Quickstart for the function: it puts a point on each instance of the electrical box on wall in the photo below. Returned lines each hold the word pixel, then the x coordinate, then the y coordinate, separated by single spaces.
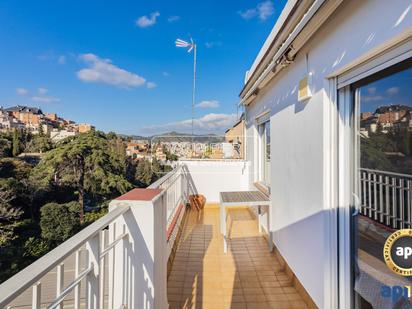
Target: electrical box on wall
pixel 304 92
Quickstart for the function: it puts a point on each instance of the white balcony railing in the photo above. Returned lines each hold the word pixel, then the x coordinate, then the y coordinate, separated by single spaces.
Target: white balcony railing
pixel 114 258
pixel 92 273
pixel 120 261
pixel 177 186
pixel 386 197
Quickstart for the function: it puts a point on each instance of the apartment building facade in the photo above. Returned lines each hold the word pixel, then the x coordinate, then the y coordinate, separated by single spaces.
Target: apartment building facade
pixel 236 137
pixel 31 117
pixel 8 122
pixel 324 65
pixel 85 127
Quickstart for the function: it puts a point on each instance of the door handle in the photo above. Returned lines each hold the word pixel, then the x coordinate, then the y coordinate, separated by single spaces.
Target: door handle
pixel 356 204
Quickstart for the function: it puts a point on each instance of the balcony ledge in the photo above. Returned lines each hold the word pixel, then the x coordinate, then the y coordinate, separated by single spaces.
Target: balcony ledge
pixel 140 195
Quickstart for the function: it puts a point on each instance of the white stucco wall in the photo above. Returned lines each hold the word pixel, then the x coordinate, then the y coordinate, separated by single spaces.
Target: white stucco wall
pixel 146 251
pixel 214 176
pixel 298 209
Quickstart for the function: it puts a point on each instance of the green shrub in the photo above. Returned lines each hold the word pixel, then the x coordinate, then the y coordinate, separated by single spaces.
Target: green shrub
pixel 59 222
pixel 93 216
pixel 35 247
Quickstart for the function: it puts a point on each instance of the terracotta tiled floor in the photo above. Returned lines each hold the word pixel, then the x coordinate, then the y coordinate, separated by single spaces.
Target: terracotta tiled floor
pixel 248 276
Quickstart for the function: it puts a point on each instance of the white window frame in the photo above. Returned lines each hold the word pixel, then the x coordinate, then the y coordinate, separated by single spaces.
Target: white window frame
pixel 260 121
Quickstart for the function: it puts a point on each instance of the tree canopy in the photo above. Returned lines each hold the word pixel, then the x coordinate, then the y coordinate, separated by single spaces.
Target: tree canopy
pixel 90 163
pixel 59 222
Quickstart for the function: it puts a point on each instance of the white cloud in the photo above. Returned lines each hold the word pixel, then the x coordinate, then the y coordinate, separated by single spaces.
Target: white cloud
pixel 42 91
pixel 174 18
pixel 210 123
pixel 213 44
pixel 248 14
pixel 392 90
pixel 105 72
pixel 22 91
pixel 42 96
pixel 151 85
pixel 373 98
pixel 263 11
pixel 61 59
pixel 165 74
pixel 371 90
pixel 208 104
pixel 51 55
pixel 45 99
pixel 147 21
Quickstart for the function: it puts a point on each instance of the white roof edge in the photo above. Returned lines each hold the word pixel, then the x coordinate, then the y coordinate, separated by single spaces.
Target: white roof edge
pixel 275 31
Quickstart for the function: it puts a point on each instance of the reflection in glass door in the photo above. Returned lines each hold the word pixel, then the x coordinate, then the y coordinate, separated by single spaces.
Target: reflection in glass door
pixel 265 152
pixel 383 180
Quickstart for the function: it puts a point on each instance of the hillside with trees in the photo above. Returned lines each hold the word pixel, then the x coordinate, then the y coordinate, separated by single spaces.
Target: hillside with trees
pixel 44 203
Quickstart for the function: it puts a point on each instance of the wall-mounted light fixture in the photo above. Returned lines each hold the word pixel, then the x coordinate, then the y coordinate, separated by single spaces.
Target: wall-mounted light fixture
pixel 305 84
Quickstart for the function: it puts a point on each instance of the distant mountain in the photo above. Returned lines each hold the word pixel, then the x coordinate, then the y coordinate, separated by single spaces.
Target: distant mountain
pixel 185 137
pixel 178 137
pixel 135 137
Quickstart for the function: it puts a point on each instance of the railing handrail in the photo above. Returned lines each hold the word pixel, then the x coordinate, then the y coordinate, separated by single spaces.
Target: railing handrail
pixel 164 178
pixel 385 172
pixel 21 281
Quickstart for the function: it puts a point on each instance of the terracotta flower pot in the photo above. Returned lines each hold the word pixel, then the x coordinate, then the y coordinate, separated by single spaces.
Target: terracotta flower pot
pixel 197 201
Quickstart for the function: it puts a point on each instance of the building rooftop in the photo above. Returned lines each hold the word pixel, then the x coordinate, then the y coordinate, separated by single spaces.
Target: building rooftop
pixel 27 109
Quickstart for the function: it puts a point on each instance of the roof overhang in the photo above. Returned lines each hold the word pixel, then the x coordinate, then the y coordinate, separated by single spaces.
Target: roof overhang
pixel 299 20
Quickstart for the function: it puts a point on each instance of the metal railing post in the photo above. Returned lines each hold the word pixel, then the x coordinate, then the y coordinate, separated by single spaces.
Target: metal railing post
pixel 36 296
pixel 92 279
pixel 60 283
pixel 77 273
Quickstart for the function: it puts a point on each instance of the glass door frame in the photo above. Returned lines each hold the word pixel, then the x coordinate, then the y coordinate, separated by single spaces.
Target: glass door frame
pixel 347 127
pixel 349 159
pixel 346 181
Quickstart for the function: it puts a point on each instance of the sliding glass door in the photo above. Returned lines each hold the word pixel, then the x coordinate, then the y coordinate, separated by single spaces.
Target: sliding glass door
pixel 382 182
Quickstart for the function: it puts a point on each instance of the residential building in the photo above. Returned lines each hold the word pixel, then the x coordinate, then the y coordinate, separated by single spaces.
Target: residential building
pixel 159 154
pixel 136 150
pixel 308 177
pixel 51 116
pixel 85 127
pixel 8 122
pixel 236 136
pixel 392 113
pixel 405 122
pixel 140 141
pixel 30 116
pixel 57 135
pixel 46 127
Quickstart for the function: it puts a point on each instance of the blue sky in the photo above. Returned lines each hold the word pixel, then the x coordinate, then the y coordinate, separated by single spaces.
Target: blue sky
pixel 114 64
pixel 394 89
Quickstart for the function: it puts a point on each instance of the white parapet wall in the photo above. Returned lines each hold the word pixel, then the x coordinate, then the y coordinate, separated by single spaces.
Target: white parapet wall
pixel 139 265
pixel 210 177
